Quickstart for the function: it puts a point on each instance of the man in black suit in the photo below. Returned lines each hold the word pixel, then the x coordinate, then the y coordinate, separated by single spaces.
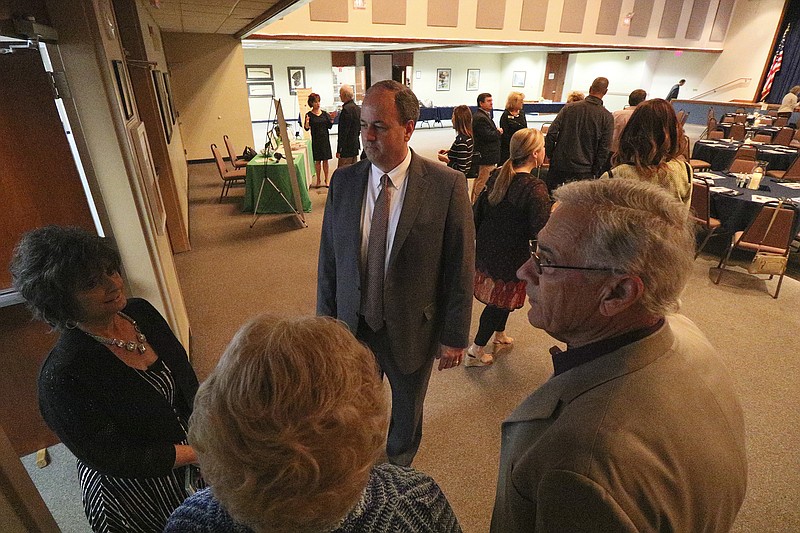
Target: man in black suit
pixel 487 142
pixel 347 146
pixel 397 259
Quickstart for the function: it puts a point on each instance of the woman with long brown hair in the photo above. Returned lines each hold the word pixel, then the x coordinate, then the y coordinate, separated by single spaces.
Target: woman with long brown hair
pixel 508 214
pixel 459 156
pixel 650 148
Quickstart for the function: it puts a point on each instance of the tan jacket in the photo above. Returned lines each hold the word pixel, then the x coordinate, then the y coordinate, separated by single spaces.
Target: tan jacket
pixel 647 438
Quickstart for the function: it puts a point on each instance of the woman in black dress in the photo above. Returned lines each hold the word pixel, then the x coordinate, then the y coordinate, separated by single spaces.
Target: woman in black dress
pixel 117 388
pixel 319 122
pixel 511 121
pixel 509 213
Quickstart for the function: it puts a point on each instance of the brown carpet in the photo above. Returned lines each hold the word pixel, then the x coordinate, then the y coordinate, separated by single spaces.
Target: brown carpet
pixel 234 272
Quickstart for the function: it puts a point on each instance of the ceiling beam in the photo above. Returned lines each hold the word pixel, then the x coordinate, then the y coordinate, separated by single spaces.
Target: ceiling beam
pixel 275 11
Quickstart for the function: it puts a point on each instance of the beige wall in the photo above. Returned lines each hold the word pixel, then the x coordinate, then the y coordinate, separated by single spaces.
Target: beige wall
pixel 360 23
pixel 208 85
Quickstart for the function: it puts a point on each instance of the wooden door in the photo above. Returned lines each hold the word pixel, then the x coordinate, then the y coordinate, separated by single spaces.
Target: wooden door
pixel 555 72
pixel 40 185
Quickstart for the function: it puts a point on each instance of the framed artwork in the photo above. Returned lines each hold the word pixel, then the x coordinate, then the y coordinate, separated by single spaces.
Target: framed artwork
pixel 150 177
pixel 473 79
pixel 123 88
pixel 258 72
pixel 297 78
pixel 261 90
pixel 518 78
pixel 168 91
pixel 442 79
pixel 161 96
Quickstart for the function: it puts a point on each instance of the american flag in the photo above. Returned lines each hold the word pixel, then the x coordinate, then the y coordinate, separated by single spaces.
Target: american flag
pixel 776 65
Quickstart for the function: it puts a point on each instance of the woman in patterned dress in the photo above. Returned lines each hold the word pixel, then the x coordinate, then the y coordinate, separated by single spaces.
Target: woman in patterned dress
pixel 319 122
pixel 117 388
pixel 508 214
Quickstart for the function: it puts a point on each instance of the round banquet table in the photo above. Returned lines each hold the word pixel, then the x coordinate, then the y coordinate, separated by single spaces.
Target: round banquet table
pixel 756 130
pixel 737 212
pixel 721 153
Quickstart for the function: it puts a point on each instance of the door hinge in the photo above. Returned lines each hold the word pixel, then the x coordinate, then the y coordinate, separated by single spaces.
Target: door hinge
pixel 58 81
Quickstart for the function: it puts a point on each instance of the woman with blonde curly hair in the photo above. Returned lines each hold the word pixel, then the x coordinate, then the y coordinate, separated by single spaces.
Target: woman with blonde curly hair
pixel 509 213
pixel 288 429
pixel 511 121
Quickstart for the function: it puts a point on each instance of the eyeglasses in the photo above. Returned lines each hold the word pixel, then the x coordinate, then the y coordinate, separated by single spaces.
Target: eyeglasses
pixel 538 265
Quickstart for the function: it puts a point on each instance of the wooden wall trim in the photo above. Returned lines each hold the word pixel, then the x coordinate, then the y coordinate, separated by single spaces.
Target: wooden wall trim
pixel 468 42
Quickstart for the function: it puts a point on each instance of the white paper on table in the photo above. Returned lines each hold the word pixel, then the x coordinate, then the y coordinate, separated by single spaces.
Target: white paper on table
pixel 793 185
pixel 719 189
pixel 707 175
pixel 762 199
pixel 795 200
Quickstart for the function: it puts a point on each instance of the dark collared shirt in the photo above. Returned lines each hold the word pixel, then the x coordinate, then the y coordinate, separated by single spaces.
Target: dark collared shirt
pixel 563 361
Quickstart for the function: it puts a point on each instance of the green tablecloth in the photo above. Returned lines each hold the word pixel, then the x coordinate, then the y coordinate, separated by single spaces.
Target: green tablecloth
pixel 271 202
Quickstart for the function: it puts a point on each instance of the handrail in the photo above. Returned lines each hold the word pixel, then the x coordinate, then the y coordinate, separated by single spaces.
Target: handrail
pixel 715 89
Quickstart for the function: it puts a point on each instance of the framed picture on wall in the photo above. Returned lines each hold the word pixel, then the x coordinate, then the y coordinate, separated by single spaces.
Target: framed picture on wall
pixel 442 79
pixel 297 78
pixel 258 72
pixel 261 89
pixel 473 79
pixel 518 78
pixel 123 88
pixel 161 96
pixel 168 92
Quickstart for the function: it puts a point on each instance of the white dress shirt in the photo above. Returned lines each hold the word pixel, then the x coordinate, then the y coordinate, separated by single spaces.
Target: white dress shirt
pixel 398 176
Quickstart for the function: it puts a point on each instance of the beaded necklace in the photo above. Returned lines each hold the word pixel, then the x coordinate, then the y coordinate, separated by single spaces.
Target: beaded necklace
pixel 132 346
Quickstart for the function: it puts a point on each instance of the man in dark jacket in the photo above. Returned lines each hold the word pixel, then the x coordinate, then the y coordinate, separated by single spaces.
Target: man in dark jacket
pixel 487 142
pixel 579 140
pixel 673 93
pixel 347 145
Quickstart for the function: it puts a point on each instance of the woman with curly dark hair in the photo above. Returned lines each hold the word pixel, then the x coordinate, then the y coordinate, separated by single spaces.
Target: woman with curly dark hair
pixel 117 388
pixel 650 148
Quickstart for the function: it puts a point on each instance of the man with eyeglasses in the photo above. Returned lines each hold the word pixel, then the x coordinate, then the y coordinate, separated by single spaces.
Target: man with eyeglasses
pixel 639 428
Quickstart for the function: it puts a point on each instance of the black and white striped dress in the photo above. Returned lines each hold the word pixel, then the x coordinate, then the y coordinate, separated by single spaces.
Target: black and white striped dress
pixel 117 504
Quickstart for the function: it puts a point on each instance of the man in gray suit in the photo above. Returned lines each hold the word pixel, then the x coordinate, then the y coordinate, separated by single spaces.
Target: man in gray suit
pixel 639 428
pixel 397 259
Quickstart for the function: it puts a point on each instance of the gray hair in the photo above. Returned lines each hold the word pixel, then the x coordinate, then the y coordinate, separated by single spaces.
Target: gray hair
pixel 52 263
pixel 347 92
pixel 404 99
pixel 637 228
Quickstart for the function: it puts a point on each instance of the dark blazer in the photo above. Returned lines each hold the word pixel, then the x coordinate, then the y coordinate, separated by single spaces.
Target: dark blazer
pixel 428 288
pixel 487 138
pixel 647 438
pixel 106 414
pixel 347 144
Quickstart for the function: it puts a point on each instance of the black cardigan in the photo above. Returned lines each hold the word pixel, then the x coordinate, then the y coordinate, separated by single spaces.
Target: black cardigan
pixel 106 414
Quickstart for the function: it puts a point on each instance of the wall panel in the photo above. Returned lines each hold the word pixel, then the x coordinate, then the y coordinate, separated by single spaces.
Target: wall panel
pixel 443 13
pixel 608 17
pixel 388 11
pixel 534 15
pixel 328 11
pixel 572 16
pixel 697 20
pixel 640 23
pixel 491 14
pixel 721 20
pixel 670 19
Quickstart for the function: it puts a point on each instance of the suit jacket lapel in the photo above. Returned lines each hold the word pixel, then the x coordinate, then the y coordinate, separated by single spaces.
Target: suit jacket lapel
pixel 355 204
pixel 415 195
